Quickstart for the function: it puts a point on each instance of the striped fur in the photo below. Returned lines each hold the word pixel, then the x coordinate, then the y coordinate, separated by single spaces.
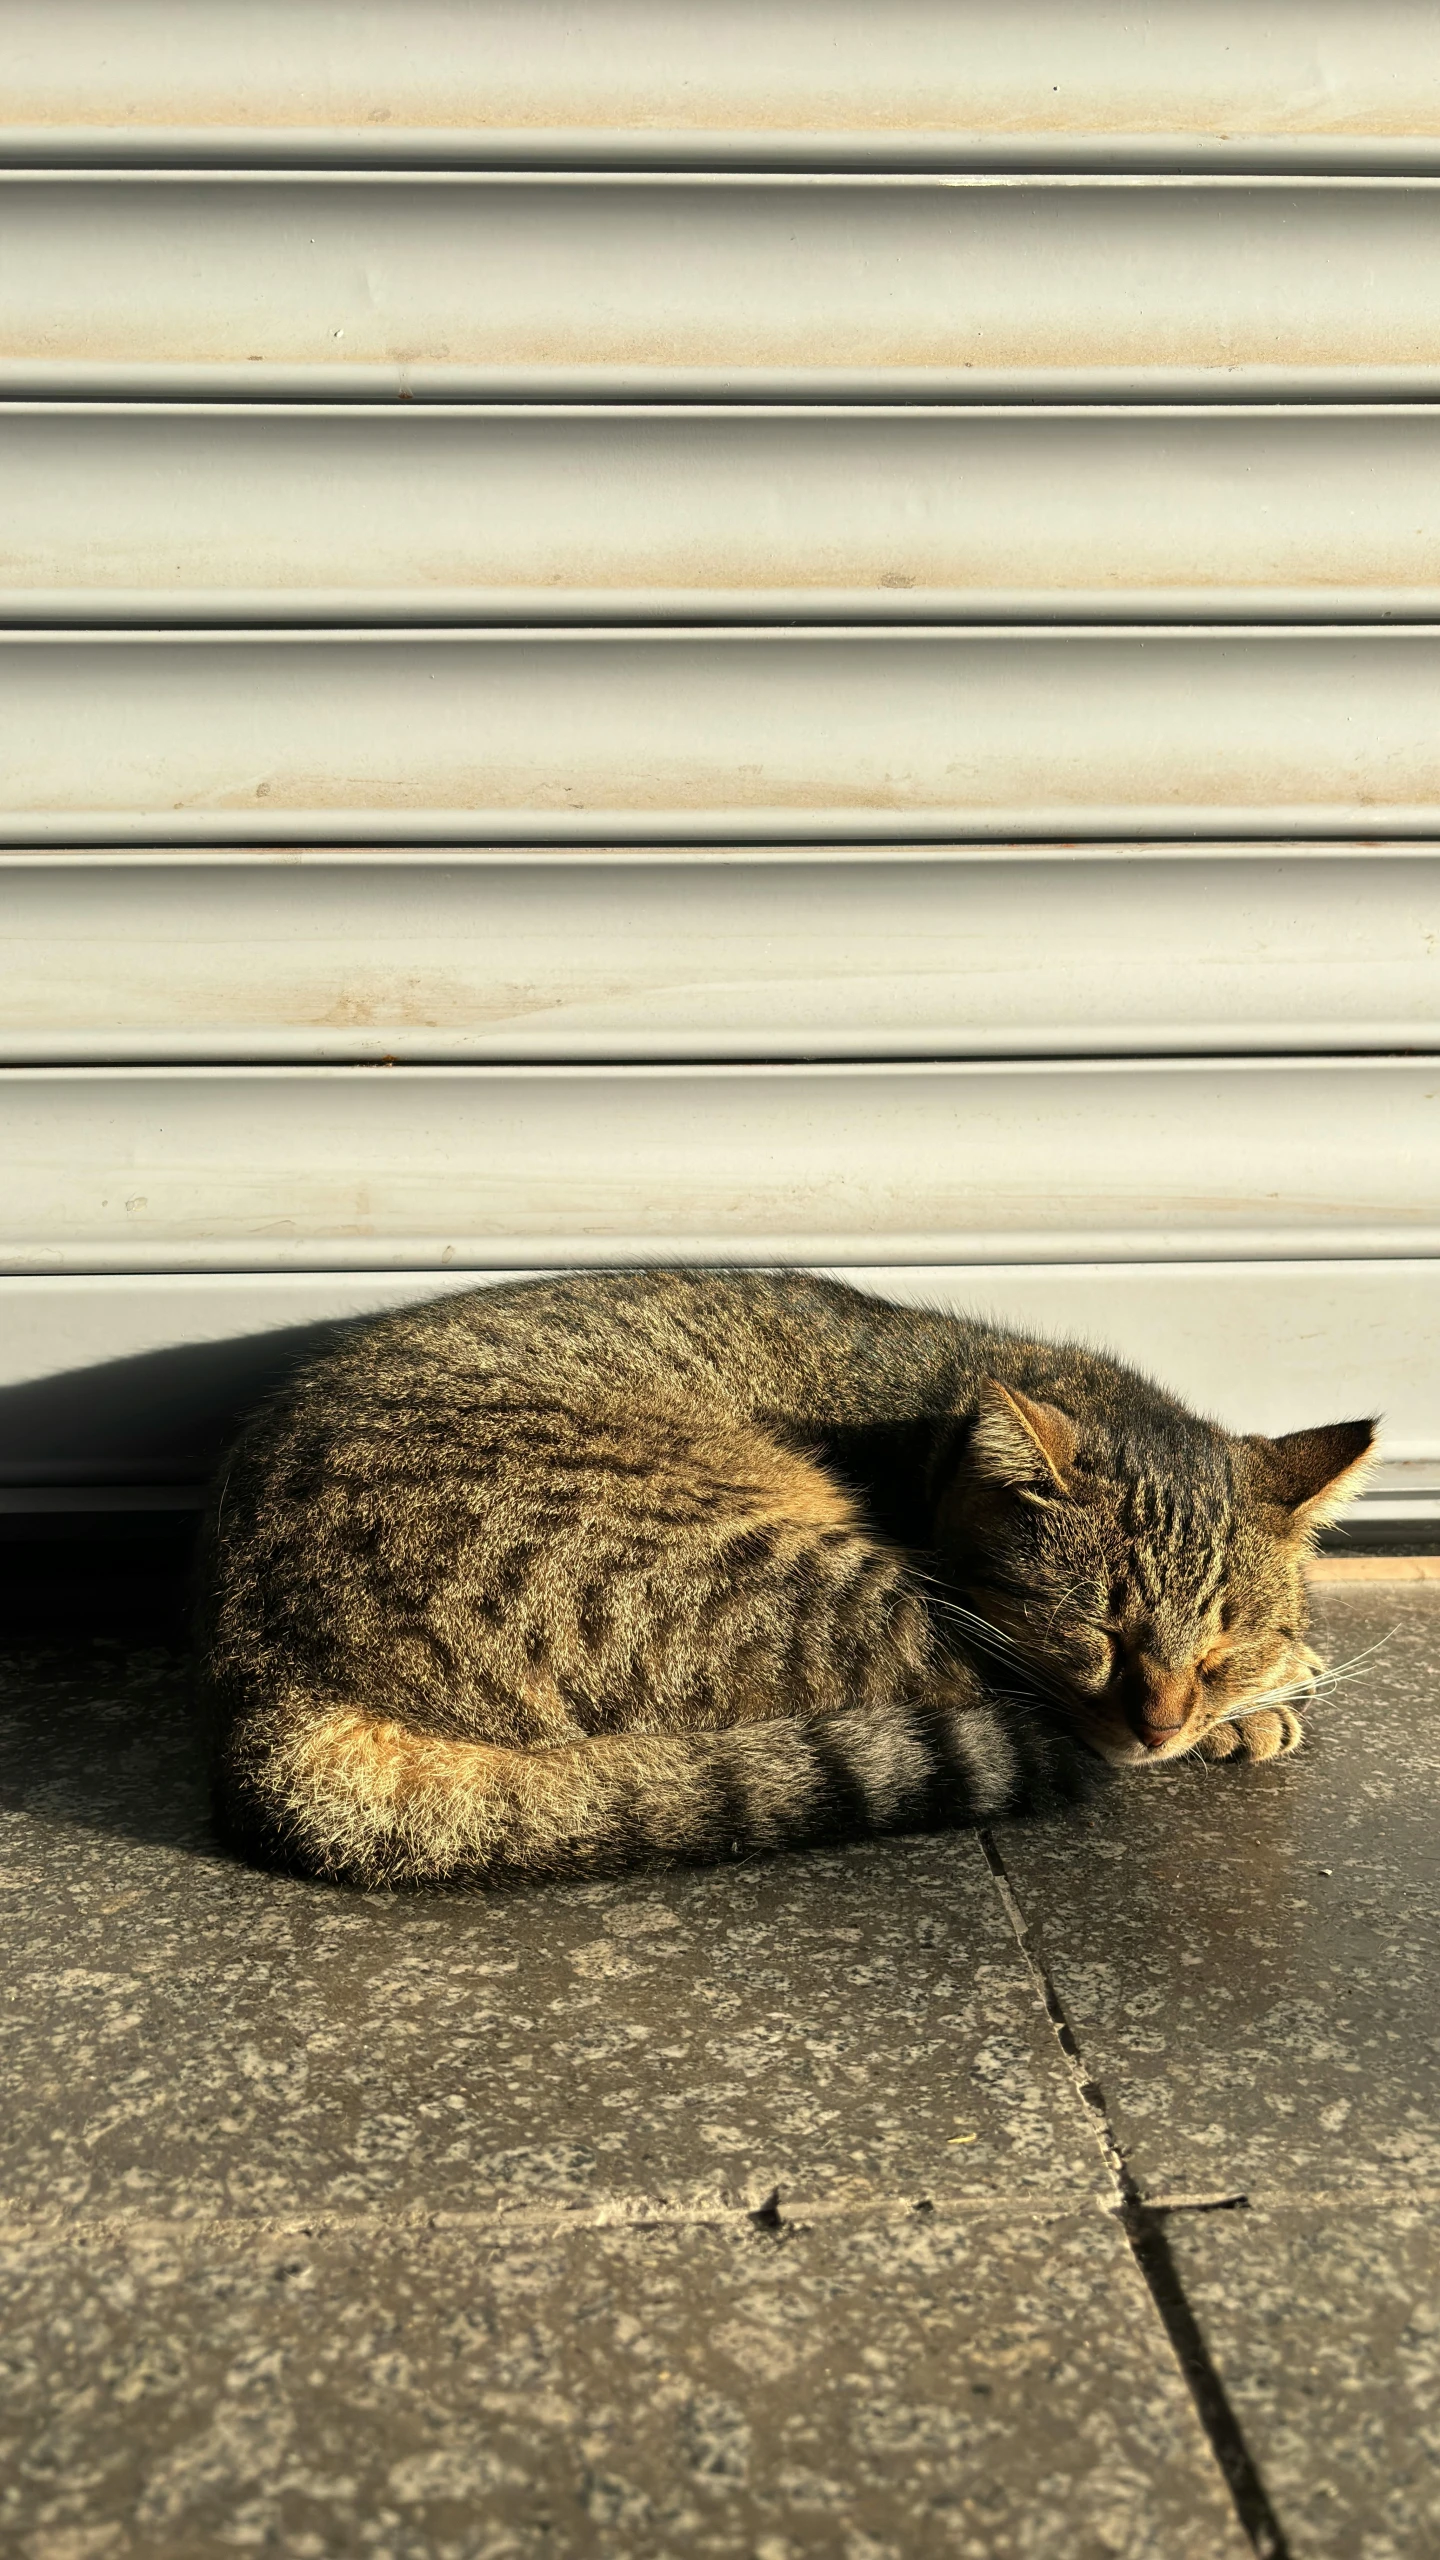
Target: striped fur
pixel 364 1798
pixel 557 1577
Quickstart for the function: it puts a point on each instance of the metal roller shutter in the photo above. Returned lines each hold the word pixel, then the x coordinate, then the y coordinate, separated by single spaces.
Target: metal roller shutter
pixel 771 634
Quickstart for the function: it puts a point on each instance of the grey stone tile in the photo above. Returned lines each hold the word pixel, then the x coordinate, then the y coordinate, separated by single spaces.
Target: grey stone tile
pixel 1326 2331
pixel 1249 1958
pixel 187 2036
pixel 883 2390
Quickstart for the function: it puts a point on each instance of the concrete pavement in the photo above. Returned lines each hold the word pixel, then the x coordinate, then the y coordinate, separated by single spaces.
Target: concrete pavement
pixel 1069 2193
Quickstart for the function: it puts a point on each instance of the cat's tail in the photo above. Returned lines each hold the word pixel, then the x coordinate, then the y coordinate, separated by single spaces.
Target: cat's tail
pixel 370 1800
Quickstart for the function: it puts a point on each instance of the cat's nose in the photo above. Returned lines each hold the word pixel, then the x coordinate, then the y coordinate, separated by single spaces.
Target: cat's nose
pixel 1163 1706
pixel 1155 1736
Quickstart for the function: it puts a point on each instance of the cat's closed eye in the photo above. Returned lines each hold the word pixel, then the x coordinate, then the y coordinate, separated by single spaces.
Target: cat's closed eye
pixel 1216 1658
pixel 1094 1655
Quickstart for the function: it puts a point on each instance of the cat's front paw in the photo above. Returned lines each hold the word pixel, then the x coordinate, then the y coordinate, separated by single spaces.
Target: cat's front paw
pixel 1267 1735
pixel 1271 1731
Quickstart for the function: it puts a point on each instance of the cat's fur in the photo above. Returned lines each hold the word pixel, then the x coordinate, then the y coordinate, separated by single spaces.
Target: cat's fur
pixel 559 1575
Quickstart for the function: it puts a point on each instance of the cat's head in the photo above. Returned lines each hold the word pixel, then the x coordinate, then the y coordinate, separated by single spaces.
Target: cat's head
pixel 1146 1574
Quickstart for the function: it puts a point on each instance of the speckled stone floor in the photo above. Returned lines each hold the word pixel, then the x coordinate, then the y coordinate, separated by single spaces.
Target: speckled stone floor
pixel 1068 2194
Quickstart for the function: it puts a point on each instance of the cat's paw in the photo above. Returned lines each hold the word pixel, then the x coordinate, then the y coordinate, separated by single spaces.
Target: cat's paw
pixel 1270 1732
pixel 1267 1735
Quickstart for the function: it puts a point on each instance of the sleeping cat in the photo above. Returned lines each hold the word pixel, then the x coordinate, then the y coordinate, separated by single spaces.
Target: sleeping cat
pixel 552 1577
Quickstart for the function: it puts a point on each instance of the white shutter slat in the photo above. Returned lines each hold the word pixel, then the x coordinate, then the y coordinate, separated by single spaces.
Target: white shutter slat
pixel 828 82
pixel 348 513
pixel 347 1168
pixel 841 952
pixel 720 735
pixel 248 285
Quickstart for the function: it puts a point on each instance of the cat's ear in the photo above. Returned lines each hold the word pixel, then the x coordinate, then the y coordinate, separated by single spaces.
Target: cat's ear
pixel 1020 1443
pixel 1313 1474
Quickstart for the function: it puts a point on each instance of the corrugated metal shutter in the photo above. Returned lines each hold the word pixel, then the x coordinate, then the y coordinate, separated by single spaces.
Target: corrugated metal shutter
pixel 790 632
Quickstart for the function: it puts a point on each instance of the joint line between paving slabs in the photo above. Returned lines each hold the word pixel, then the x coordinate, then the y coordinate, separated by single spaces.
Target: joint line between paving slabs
pixel 1144 2229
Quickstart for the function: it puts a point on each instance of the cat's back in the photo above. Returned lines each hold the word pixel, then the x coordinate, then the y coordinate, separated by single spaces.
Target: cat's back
pixel 745 1340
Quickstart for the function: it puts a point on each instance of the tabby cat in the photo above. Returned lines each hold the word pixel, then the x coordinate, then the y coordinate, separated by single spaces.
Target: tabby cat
pixel 551 1577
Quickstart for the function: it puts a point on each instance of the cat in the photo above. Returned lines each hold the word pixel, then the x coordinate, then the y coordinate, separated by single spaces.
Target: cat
pixel 556 1576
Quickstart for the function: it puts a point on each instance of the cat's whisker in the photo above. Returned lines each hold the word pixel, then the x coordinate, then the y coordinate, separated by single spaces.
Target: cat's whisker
pixel 1317 1686
pixel 1254 1706
pixel 918 1573
pixel 1339 1675
pixel 981 1627
pixel 975 1631
pixel 978 1633
pixel 975 1618
pixel 1342 1670
pixel 1259 1698
pixel 1274 1697
pixel 984 1631
pixel 985 1637
pixel 1039 1683
pixel 1067 1594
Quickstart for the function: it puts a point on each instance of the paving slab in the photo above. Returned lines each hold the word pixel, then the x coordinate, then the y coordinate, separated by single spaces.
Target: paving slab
pixel 1249 1958
pixel 880 2389
pixel 187 2036
pixel 1325 2327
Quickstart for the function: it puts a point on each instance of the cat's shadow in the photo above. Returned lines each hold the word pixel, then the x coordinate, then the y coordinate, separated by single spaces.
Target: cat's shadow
pixel 97 1730
pixel 99 1735
pixel 155 1416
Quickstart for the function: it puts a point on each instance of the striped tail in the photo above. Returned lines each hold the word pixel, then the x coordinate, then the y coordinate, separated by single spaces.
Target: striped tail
pixel 365 1799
